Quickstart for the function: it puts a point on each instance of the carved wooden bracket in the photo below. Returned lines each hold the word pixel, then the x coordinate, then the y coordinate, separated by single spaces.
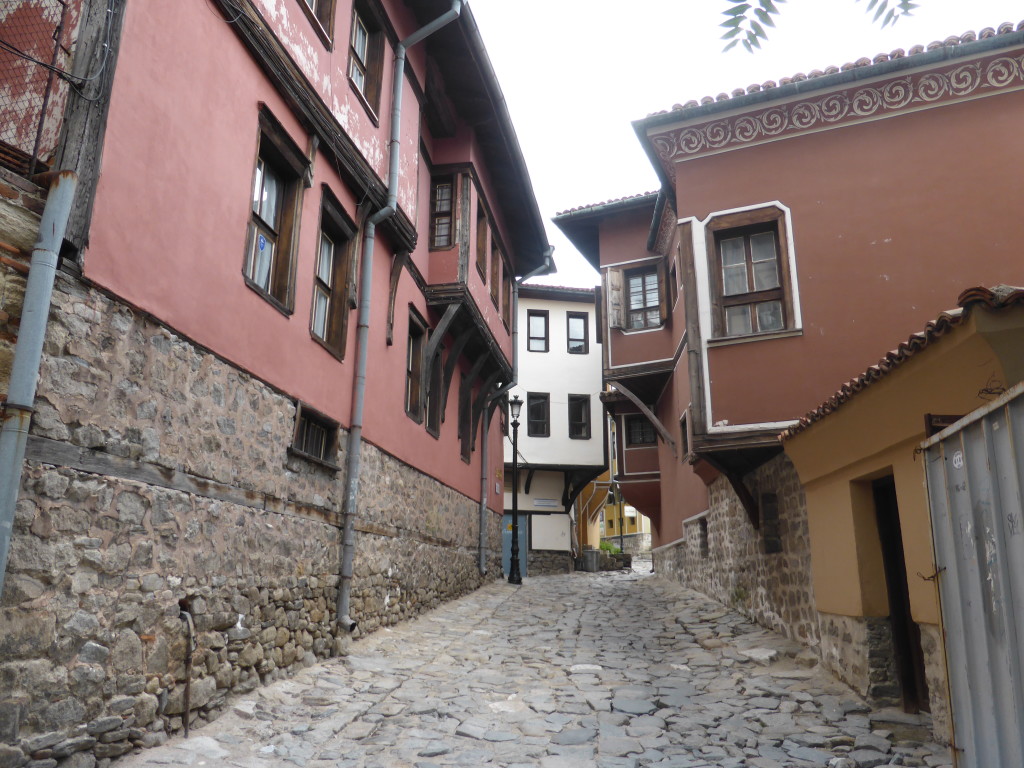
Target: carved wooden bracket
pixel 401 261
pixel 429 354
pixel 449 367
pixel 658 426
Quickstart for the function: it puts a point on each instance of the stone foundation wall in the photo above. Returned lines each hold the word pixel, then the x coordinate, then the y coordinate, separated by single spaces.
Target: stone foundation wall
pixel 772 589
pixel 158 480
pixel 632 543
pixel 858 650
pixel 776 591
pixel 544 562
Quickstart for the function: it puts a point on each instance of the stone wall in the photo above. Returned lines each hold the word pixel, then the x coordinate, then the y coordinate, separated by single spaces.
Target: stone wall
pixel 158 481
pixel 775 590
pixel 858 650
pixel 772 589
pixel 543 562
pixel 631 543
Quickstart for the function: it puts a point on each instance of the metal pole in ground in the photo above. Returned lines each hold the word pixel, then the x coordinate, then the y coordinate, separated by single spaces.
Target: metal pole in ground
pixel 514 576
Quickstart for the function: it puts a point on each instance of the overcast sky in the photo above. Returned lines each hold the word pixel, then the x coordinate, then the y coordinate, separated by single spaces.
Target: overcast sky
pixel 576 73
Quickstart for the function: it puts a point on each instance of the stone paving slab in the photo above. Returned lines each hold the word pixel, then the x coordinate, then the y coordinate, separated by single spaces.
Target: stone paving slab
pixel 613 670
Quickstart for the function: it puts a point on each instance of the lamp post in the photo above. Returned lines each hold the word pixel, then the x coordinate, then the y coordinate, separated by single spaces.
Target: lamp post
pixel 515 405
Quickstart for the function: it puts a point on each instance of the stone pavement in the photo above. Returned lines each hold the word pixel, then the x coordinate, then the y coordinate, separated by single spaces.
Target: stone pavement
pixel 614 670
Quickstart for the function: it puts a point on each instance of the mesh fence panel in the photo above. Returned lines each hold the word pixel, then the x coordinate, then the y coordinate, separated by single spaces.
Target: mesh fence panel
pixel 32 94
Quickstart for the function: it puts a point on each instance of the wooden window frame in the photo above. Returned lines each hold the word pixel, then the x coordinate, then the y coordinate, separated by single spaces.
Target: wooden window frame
pixel 305 418
pixel 585 317
pixel 585 432
pixel 645 309
pixel 433 405
pixel 543 428
pixel 746 223
pixel 465 419
pixel 336 226
pixel 546 338
pixel 646 430
pixel 496 261
pixel 617 285
pixel 415 346
pixel 437 215
pixel 482 231
pixel 506 298
pixel 321 19
pixel 370 66
pixel 684 436
pixel 276 151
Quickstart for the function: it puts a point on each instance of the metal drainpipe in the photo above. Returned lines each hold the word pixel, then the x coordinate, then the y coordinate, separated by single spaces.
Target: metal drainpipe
pixel 21 394
pixel 363 332
pixel 547 268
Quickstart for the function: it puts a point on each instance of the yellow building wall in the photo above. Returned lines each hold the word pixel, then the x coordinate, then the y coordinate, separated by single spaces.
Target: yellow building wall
pixel 590 507
pixel 873 435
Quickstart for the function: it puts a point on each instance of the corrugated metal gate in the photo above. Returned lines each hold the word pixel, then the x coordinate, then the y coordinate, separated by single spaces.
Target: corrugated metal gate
pixel 975 476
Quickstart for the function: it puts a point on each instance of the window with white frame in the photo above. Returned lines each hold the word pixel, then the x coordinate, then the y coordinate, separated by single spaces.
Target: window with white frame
pixel 332 289
pixel 321 13
pixel 274 212
pixel 751 284
pixel 364 54
pixel 442 212
pixel 643 298
pixel 639 431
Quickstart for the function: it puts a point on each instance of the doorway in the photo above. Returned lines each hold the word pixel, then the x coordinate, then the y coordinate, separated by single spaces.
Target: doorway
pixel 906 635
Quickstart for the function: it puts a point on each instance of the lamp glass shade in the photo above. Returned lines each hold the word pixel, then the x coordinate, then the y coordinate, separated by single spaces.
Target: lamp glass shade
pixel 515 405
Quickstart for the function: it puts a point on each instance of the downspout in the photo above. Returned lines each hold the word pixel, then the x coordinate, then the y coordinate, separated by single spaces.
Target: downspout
pixel 355 434
pixel 547 268
pixel 21 394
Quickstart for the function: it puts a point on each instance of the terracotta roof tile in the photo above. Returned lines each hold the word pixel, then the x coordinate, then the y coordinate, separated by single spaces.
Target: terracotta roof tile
pixel 627 198
pixel 544 288
pixel 967 37
pixel 1000 297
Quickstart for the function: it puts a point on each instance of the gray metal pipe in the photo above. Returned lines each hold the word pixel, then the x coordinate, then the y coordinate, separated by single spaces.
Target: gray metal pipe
pixel 21 394
pixel 355 435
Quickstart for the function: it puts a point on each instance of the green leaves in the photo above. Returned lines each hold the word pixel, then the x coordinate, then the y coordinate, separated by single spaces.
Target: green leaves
pixel 745 20
pixel 899 9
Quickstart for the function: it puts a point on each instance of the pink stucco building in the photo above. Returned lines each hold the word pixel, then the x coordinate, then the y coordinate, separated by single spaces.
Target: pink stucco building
pixel 278 338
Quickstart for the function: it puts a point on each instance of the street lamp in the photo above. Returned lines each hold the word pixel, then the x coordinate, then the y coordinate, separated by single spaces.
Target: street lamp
pixel 515 405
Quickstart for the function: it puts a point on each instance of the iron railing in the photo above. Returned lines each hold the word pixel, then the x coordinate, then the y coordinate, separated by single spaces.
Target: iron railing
pixel 34 51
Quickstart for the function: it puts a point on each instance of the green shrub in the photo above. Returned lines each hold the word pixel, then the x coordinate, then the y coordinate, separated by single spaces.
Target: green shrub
pixel 607 546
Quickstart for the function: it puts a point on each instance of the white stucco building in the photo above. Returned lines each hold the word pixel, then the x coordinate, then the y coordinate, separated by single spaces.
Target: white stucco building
pixel 562 444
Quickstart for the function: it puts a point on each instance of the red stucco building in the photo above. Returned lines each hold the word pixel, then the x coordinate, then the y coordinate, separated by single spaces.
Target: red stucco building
pixel 801 227
pixel 281 329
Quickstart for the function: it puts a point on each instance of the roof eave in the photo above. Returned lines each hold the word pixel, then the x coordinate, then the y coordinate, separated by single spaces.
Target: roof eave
pixel 644 127
pixel 924 60
pixel 538 235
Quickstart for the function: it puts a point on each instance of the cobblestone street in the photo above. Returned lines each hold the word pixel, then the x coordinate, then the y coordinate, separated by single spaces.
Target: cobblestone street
pixel 610 670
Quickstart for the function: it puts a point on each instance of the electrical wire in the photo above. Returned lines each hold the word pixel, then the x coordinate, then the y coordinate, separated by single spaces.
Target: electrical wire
pixel 74 81
pixel 219 15
pixel 63 73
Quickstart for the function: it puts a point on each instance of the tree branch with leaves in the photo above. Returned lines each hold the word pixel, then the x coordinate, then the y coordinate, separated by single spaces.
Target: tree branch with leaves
pixel 746 20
